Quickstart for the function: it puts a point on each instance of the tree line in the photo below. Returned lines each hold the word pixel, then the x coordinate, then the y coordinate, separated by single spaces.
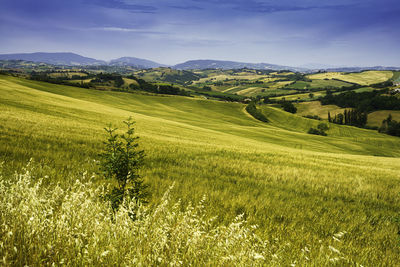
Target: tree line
pixel 352 117
pixel 155 88
pixel 364 101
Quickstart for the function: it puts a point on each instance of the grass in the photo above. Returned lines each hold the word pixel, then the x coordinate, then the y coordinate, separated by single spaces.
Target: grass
pixel 363 78
pixel 67 74
pixel 299 189
pixel 304 96
pixel 375 118
pixel 315 108
pixel 396 76
pixel 318 83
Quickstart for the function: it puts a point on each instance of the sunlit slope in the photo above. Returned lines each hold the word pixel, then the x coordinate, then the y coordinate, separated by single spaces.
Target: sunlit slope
pixel 315 108
pixel 363 78
pixel 298 188
pixel 197 120
pixel 346 138
pixel 375 118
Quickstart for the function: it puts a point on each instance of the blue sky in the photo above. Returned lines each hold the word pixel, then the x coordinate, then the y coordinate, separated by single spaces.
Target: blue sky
pixel 296 32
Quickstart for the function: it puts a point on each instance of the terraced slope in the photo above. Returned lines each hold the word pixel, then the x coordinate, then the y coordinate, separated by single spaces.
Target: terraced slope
pixel 300 189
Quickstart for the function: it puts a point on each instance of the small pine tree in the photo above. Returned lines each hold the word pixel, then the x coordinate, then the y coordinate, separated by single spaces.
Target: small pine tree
pixel 120 162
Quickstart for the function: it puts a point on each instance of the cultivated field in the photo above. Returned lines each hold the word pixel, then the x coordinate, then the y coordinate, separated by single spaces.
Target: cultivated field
pixel 363 78
pixel 317 200
pixel 375 118
pixel 315 108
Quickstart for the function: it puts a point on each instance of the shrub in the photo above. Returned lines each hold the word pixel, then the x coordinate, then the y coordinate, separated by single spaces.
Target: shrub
pixel 313 117
pixel 288 107
pixel 390 126
pixel 316 132
pixel 257 114
pixel 323 127
pixel 120 162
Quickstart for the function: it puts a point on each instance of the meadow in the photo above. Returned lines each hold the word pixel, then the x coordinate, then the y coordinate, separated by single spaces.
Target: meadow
pixel 318 83
pixel 375 118
pixel 316 200
pixel 362 78
pixel 315 108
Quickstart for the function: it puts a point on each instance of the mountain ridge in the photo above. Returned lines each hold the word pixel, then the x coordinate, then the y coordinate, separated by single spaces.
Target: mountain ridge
pixel 135 62
pixel 56 58
pixel 73 59
pixel 226 64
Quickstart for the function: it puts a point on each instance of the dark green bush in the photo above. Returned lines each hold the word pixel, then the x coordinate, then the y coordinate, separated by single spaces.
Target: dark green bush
pixel 120 163
pixel 288 107
pixel 253 111
pixel 316 132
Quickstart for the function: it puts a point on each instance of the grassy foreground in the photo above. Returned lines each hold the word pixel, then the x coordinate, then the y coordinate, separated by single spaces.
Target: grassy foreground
pixel 316 200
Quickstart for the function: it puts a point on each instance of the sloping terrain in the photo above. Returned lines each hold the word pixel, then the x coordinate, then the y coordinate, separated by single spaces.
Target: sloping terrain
pixel 300 189
pixel 363 78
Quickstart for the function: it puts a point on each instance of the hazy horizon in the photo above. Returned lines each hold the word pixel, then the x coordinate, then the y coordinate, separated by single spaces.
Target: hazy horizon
pixel 292 33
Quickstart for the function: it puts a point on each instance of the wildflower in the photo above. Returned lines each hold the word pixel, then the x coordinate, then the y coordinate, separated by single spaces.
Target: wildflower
pixel 105 253
pixel 334 250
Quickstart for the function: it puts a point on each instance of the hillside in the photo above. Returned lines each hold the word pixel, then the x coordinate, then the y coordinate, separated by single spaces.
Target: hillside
pixel 135 62
pixel 300 189
pixel 363 78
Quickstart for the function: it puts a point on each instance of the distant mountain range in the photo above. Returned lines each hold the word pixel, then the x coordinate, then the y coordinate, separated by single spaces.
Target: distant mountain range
pixel 219 64
pixel 135 62
pixel 71 59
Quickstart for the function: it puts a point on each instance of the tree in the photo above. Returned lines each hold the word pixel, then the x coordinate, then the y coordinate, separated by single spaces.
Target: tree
pixel 323 127
pixel 390 126
pixel 340 118
pixel 289 107
pixel 120 162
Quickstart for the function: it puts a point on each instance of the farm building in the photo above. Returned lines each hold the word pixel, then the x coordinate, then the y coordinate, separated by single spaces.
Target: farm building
pixel 395 91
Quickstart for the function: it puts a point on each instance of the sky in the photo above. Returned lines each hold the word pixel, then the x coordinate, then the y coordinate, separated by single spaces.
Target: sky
pixel 294 33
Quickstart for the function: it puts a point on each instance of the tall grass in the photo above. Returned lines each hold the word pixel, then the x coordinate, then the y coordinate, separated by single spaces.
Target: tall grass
pixel 299 189
pixel 73 226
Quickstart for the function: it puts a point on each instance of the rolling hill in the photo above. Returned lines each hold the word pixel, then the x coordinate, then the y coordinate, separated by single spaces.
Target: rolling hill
pixel 135 62
pixel 301 190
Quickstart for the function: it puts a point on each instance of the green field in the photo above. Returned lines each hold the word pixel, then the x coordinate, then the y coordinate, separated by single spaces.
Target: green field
pixel 396 76
pixel 301 190
pixel 315 108
pixel 317 83
pixel 375 118
pixel 363 78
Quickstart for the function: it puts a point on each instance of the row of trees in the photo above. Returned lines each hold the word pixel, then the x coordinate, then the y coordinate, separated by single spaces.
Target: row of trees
pixel 154 88
pixel 44 77
pixel 109 77
pixel 364 101
pixel 352 117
